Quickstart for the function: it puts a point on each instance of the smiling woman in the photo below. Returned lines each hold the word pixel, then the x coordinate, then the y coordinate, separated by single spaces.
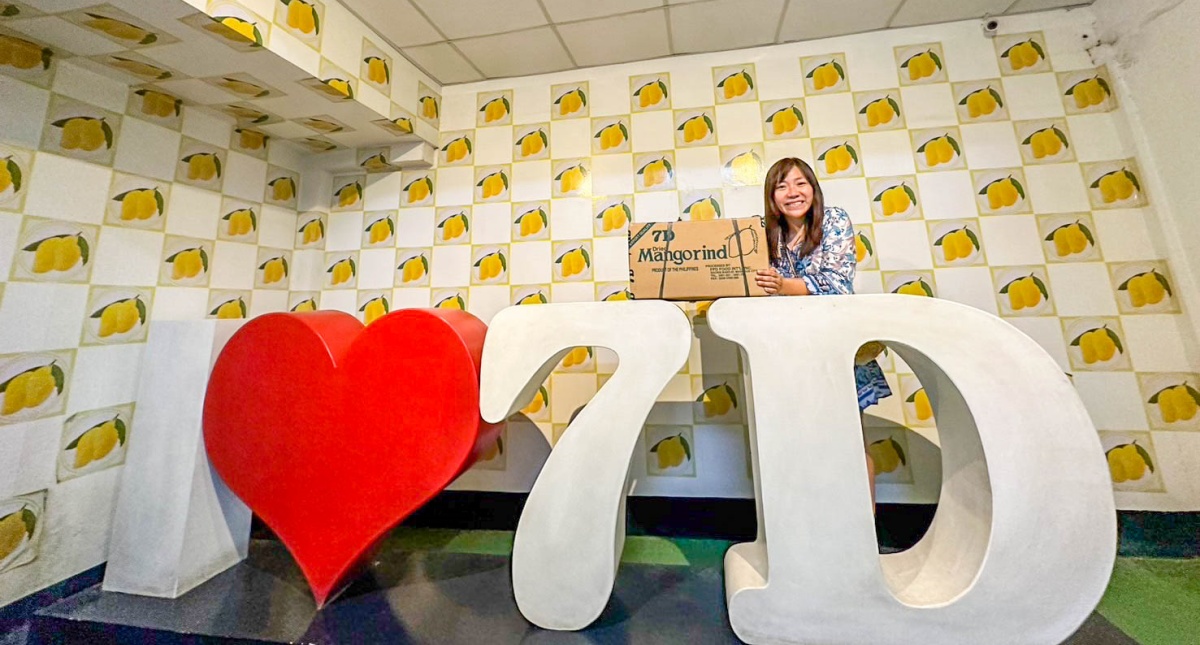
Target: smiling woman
pixel 812 250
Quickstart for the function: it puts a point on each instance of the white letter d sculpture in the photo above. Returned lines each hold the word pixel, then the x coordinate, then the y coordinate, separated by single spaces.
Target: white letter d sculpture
pixel 1023 542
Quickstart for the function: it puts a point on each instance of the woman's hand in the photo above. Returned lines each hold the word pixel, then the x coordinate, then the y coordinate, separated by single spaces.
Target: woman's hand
pixel 769 280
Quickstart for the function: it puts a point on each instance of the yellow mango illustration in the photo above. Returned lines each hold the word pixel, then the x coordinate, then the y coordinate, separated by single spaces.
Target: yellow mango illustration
pixel 31 388
pixel 84 133
pixel 308 304
pixel 533 143
pixel 312 231
pixel 493 185
pixel 14 529
pixel 235 29
pixel 59 253
pixel 532 222
pixel 703 210
pixel 736 84
pixel 22 54
pixel 374 309
pixel 1003 193
pixel 696 128
pixel 655 172
pixel 827 75
pixel 539 401
pixel 245 88
pixel 348 195
pixel 574 262
pixel 672 452
pixel 615 217
pixel 938 151
pixel 922 65
pixel 957 245
pixel 1024 54
pixel 414 269
pixel 495 109
pixel 274 270
pixel 612 136
pixel 10 175
pixel 230 310
pixel 454 226
pixel 1026 292
pixel 1118 185
pixel 302 16
pixel 838 158
pixel 418 190
pixel 457 149
pixel 1070 239
pixel 1047 142
pixel 1093 91
pixel 785 120
pixel 188 263
pixel 1098 345
pixel 451 302
pixel 203 166
pixel 159 104
pixel 491 265
pixel 880 112
pixel 571 102
pixel 921 403
pixel 98 441
pixel 571 179
pixel 887 454
pixel 896 200
pixel 282 189
pixel 981 103
pixel 377 70
pixel 342 271
pixel 429 107
pixel 121 316
pixel 242 221
pixel 915 288
pixel 651 94
pixel 251 139
pixel 718 400
pixel 1128 462
pixel 537 298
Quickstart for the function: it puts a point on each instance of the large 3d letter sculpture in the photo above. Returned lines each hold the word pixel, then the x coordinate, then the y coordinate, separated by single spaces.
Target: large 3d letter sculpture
pixel 572 530
pixel 313 416
pixel 1024 538
pixel 176 524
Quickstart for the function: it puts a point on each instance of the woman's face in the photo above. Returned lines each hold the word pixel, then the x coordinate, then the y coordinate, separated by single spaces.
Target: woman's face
pixel 793 194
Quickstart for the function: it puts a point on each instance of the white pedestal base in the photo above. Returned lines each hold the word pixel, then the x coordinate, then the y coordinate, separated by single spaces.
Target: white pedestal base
pixel 176 524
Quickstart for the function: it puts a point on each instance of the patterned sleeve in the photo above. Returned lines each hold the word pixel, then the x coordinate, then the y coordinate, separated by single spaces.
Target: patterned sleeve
pixel 832 268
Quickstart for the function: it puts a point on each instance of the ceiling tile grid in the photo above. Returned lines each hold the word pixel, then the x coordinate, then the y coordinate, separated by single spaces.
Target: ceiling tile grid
pixel 463 41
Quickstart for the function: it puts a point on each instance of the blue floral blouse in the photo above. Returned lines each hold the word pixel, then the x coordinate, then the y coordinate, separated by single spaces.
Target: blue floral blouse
pixel 829 270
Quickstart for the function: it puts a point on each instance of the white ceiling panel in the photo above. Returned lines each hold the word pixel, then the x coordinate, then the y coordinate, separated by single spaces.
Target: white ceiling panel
pixel 461 41
pixel 1023 6
pixel 643 36
pixel 443 62
pixel 533 51
pixel 724 24
pixel 467 18
pixel 925 12
pixel 397 20
pixel 809 19
pixel 572 10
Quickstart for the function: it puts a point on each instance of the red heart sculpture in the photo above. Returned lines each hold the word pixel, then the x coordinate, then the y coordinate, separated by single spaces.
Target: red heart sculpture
pixel 334 433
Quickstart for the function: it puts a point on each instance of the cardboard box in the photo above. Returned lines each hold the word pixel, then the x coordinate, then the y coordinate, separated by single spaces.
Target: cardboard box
pixel 697 260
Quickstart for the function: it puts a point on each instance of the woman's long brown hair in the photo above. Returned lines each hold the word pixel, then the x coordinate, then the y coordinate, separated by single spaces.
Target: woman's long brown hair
pixel 776 223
